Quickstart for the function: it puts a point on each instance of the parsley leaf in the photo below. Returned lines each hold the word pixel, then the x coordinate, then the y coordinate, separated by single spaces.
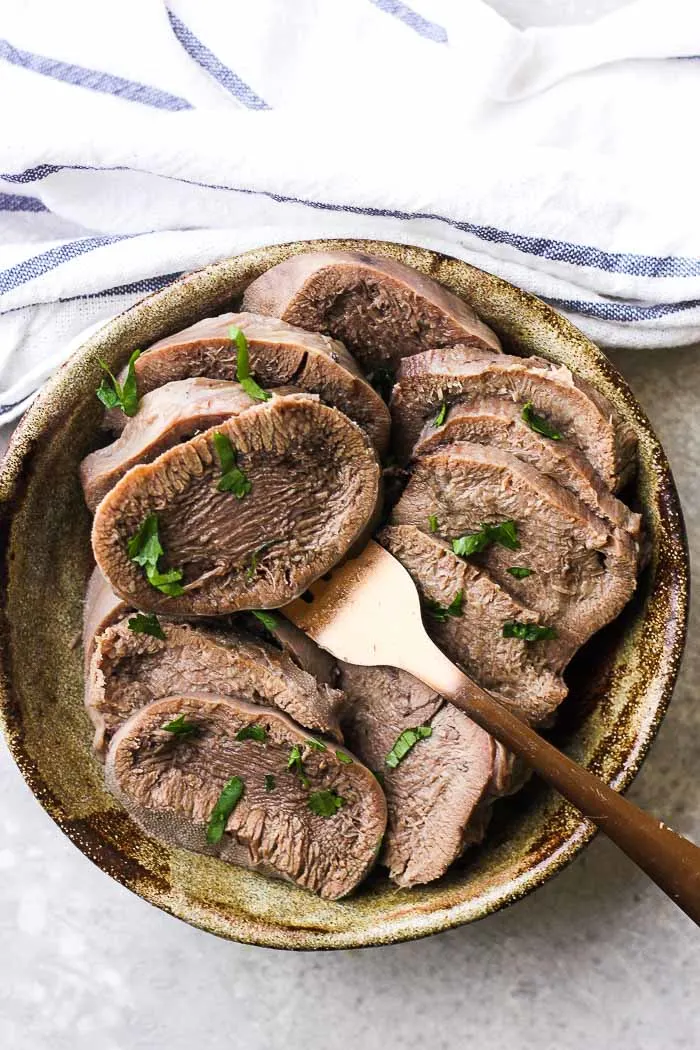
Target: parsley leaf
pixel 473 542
pixel 181 727
pixel 314 744
pixel 442 612
pixel 111 392
pixel 325 803
pixel 270 782
pixel 520 572
pixel 232 477
pixel 146 623
pixel 253 566
pixel 403 744
pixel 243 367
pixel 528 632
pixel 342 757
pixel 296 765
pixel 145 549
pixel 266 619
pixel 440 417
pixel 433 522
pixel 538 423
pixel 252 732
pixel 225 805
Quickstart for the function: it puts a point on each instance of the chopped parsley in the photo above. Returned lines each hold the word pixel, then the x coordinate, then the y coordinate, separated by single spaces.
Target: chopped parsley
pixel 253 565
pixel 407 740
pixel 232 477
pixel 225 805
pixel 181 727
pixel 325 803
pixel 145 549
pixel 520 572
pixel 113 395
pixel 270 782
pixel 252 732
pixel 538 423
pixel 442 612
pixel 266 619
pixel 296 765
pixel 146 623
pixel 314 744
pixel 440 417
pixel 243 367
pixel 473 542
pixel 528 632
pixel 433 522
pixel 383 379
pixel 342 757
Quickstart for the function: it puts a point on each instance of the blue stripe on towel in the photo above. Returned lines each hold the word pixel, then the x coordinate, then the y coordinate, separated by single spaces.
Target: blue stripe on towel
pixel 430 30
pixel 15 202
pixel 4 409
pixel 622 311
pixel 143 285
pixel 94 79
pixel 214 66
pixel 37 265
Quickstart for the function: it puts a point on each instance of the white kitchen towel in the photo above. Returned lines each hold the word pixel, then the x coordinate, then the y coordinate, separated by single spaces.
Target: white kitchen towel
pixel 141 139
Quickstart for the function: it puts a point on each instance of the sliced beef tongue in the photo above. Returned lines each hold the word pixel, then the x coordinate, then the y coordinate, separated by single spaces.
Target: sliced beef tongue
pixel 318 824
pixel 572 407
pixel 166 416
pixel 438 789
pixel 280 355
pixel 129 670
pixel 583 570
pixel 381 310
pixel 499 422
pixel 101 609
pixel 314 490
pixel 526 677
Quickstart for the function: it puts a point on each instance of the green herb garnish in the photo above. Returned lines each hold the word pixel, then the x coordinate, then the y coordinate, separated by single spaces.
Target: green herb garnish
pixel 408 739
pixel 440 417
pixel 252 732
pixel 145 549
pixel 474 542
pixel 538 423
pixel 232 477
pixel 146 623
pixel 181 727
pixel 226 803
pixel 314 744
pixel 527 632
pixel 253 566
pixel 433 522
pixel 266 619
pixel 442 612
pixel 296 765
pixel 342 757
pixel 383 379
pixel 270 782
pixel 243 367
pixel 325 803
pixel 520 572
pixel 111 392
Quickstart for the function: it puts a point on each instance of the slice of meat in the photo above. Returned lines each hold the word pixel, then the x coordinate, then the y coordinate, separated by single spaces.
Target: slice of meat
pixel 435 792
pixel 171 784
pixel 584 569
pixel 499 422
pixel 128 671
pixel 280 355
pixel 101 609
pixel 315 484
pixel 380 309
pixel 458 374
pixel 527 678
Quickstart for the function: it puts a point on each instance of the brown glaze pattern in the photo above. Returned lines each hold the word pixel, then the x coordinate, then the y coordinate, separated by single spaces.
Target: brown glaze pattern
pixel 607 724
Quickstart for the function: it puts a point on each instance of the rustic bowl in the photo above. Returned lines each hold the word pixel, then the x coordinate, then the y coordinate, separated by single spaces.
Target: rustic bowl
pixel 607 723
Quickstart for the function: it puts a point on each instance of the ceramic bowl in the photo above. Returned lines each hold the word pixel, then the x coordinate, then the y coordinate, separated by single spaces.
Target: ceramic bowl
pixel 607 723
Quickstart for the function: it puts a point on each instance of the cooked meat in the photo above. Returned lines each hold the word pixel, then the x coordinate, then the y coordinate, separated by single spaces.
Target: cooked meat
pixel 571 406
pixel 166 416
pixel 584 569
pixel 128 671
pixel 314 492
pixel 304 651
pixel 527 678
pixel 280 355
pixel 499 422
pixel 170 784
pixel 434 792
pixel 101 609
pixel 380 309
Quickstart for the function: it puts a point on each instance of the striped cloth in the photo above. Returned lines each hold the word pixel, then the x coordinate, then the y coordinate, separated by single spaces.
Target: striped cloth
pixel 141 139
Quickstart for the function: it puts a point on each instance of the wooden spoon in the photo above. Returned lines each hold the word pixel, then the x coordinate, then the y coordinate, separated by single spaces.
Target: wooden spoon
pixel 367 612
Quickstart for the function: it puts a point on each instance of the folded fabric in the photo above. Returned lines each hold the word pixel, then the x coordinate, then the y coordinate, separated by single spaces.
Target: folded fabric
pixel 143 139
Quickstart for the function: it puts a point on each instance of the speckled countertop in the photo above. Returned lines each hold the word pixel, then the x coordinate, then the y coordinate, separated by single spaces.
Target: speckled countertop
pixel 595 958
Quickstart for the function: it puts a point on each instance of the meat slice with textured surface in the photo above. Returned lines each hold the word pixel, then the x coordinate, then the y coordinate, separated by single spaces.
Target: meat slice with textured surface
pixel 101 608
pixel 129 670
pixel 169 540
pixel 570 405
pixel 527 678
pixel 499 422
pixel 582 570
pixel 382 310
pixel 317 822
pixel 279 354
pixel 166 416
pixel 436 793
